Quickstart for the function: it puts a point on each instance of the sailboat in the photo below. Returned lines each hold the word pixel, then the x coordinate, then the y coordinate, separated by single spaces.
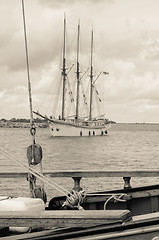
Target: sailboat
pixel 78 126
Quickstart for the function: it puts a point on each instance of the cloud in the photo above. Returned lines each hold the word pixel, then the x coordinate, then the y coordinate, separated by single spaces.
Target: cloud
pixel 126 44
pixel 2 93
pixel 151 50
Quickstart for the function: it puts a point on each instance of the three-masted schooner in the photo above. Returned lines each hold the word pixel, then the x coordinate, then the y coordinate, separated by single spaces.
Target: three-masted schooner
pixel 77 126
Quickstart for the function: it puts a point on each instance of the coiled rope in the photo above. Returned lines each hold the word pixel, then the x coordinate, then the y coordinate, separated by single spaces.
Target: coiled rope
pixel 75 199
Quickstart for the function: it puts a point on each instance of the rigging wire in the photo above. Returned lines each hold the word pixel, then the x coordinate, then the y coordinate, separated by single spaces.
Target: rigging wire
pixel 71 98
pixel 82 89
pixel 85 106
pixel 56 102
pixel 27 63
pixel 98 101
pixel 35 173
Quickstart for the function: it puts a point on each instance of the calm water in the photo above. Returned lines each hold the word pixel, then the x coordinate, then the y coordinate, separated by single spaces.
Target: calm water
pixel 127 146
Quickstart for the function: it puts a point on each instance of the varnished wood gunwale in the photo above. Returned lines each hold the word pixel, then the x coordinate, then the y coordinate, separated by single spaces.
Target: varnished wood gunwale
pixel 87 174
pixel 69 218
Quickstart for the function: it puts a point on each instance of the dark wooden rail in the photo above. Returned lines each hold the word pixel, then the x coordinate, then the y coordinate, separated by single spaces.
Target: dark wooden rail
pixel 78 175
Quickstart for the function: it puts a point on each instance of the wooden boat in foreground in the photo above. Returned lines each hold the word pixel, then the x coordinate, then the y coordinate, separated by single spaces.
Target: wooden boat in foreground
pixel 128 213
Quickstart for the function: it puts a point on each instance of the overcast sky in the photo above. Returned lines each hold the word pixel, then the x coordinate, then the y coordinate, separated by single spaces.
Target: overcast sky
pixel 126 44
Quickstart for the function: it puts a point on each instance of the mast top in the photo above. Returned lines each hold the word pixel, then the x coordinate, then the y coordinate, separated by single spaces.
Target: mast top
pixel 91 78
pixel 78 72
pixel 64 74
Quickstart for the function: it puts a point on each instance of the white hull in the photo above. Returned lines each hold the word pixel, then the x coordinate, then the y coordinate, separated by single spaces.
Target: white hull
pixel 72 130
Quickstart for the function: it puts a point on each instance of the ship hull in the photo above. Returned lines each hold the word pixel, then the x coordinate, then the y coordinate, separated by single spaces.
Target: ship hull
pixel 69 129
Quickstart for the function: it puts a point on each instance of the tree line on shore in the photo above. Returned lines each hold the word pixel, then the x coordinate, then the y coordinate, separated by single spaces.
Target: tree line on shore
pixel 23 120
pixel 22 123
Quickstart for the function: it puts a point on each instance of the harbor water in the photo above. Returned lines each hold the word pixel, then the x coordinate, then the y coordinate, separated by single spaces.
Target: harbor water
pixel 126 147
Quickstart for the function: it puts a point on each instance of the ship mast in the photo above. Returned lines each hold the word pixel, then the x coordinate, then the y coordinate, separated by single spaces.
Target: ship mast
pixel 64 74
pixel 91 79
pixel 78 74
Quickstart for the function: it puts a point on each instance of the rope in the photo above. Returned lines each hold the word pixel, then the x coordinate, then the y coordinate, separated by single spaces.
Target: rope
pixel 116 198
pixel 104 194
pixel 37 174
pixel 75 199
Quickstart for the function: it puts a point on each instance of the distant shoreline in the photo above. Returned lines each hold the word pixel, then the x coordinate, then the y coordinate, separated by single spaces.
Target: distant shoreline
pixel 21 123
pixel 25 123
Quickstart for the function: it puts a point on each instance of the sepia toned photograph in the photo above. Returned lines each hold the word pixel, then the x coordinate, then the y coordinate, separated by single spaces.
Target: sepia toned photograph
pixel 79 119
